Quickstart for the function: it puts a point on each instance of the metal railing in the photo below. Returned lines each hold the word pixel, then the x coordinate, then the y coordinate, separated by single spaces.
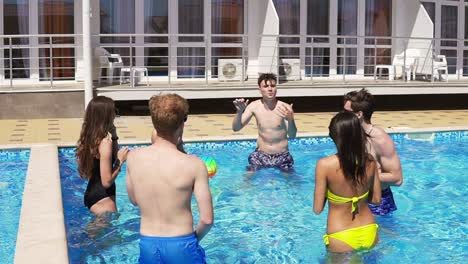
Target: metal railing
pixel 232 59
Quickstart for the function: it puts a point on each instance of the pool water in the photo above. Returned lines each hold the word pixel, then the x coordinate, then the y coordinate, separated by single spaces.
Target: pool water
pixel 268 218
pixel 14 166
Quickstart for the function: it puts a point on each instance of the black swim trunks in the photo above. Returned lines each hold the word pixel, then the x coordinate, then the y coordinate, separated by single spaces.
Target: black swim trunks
pixel 259 160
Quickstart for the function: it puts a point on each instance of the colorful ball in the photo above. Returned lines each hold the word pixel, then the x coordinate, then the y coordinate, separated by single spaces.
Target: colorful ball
pixel 211 165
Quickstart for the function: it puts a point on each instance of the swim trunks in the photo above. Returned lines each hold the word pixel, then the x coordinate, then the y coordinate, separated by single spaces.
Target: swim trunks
pixel 386 206
pixel 259 160
pixel 180 249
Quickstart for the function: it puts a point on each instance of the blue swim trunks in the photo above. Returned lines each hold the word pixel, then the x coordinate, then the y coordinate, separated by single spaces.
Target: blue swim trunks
pixel 259 160
pixel 387 204
pixel 180 249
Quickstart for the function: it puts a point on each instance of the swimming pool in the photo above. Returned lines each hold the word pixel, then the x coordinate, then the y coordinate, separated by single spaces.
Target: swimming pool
pixel 14 164
pixel 268 218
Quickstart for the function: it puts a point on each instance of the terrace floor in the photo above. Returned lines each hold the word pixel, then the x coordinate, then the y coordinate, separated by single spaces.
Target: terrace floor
pixel 137 129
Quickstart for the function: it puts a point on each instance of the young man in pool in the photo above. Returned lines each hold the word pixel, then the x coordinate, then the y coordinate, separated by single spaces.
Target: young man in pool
pixel 380 145
pixel 160 181
pixel 275 121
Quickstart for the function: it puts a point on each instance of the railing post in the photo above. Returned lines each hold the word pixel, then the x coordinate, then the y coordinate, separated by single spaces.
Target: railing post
pixel 132 72
pixel 243 61
pixel 206 58
pixel 51 74
pixel 169 58
pixel 344 60
pixel 87 53
pixel 11 63
pixel 312 60
pixel 375 58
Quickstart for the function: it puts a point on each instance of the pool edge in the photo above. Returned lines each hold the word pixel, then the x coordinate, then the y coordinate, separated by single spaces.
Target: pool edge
pixel 41 232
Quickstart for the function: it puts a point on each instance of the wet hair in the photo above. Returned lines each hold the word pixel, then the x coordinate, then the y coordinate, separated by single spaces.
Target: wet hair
pixel 98 120
pixel 350 140
pixel 168 112
pixel 363 101
pixel 266 77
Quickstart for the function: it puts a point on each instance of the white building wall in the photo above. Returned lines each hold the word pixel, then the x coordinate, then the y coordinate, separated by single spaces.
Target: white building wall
pixel 263 50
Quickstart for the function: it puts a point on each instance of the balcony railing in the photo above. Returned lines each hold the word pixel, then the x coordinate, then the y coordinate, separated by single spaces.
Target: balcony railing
pixel 210 59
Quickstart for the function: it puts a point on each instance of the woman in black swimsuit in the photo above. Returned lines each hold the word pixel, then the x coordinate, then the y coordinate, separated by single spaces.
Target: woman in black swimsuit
pixel 99 160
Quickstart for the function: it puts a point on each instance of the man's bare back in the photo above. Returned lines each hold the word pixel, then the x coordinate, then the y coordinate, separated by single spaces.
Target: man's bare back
pixel 162 179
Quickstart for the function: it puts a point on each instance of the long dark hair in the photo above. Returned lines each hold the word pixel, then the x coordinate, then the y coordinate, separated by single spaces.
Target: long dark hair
pixel 350 140
pixel 98 120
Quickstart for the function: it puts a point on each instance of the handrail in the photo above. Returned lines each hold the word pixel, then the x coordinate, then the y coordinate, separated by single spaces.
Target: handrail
pixel 179 60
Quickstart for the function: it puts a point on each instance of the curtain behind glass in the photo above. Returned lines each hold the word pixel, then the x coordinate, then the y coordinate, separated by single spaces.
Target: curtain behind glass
pixel 117 17
pixel 289 19
pixel 449 25
pixel 227 17
pixel 16 22
pixel 318 19
pixel 191 61
pixel 379 20
pixel 191 19
pixel 57 17
pixel 347 19
pixel 156 22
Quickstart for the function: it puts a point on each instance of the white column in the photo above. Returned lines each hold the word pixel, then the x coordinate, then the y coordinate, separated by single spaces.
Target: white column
pixel 87 54
pixel 333 32
pixel 2 39
pixel 361 26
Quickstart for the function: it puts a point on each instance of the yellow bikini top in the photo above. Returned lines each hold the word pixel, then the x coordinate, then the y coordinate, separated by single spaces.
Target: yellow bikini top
pixel 338 199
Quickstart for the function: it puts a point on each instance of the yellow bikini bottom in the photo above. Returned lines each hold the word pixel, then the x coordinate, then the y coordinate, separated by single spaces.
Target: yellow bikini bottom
pixel 361 237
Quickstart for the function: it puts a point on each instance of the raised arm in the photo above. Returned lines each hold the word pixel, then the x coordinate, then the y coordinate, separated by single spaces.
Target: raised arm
pixel 108 173
pixel 320 186
pixel 390 172
pixel 286 111
pixel 243 114
pixel 201 190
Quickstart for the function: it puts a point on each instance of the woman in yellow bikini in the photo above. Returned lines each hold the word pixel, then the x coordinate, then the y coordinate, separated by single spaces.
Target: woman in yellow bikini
pixel 349 180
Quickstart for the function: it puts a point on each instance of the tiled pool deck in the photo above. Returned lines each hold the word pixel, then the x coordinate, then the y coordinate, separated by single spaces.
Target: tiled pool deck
pixel 137 129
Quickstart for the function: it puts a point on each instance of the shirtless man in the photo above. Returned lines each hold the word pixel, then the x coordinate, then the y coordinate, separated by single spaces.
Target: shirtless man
pixel 275 121
pixel 380 145
pixel 160 181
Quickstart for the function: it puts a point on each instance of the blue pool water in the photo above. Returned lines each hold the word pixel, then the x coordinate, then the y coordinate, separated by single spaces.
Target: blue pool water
pixel 268 218
pixel 14 165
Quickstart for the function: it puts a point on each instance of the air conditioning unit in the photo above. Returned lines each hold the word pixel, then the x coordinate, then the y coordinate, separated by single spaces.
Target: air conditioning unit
pixel 230 70
pixel 290 69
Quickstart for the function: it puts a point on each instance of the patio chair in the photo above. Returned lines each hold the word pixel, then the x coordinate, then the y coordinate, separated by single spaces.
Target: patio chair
pixel 439 66
pixel 107 61
pixel 399 61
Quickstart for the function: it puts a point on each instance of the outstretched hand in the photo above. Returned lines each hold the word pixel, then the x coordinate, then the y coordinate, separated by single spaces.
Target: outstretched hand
pixel 240 104
pixel 286 111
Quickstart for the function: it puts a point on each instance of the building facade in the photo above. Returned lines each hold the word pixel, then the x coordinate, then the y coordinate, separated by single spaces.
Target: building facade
pixel 217 40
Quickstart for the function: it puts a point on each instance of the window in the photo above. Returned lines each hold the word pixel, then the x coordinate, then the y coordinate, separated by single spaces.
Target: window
pixel 56 17
pixel 318 19
pixel 16 22
pixel 227 17
pixel 156 21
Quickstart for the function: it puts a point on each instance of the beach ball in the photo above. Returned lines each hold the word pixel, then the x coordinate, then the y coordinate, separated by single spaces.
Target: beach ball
pixel 211 165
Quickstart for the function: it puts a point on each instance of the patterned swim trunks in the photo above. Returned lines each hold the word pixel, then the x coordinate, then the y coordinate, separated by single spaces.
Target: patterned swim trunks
pixel 259 160
pixel 387 205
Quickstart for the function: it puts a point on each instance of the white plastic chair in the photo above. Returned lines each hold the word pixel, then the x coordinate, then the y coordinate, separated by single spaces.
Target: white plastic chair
pixel 439 65
pixel 107 61
pixel 407 64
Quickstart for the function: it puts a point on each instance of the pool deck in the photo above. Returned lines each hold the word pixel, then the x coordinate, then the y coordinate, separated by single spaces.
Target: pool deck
pixel 137 129
pixel 41 232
